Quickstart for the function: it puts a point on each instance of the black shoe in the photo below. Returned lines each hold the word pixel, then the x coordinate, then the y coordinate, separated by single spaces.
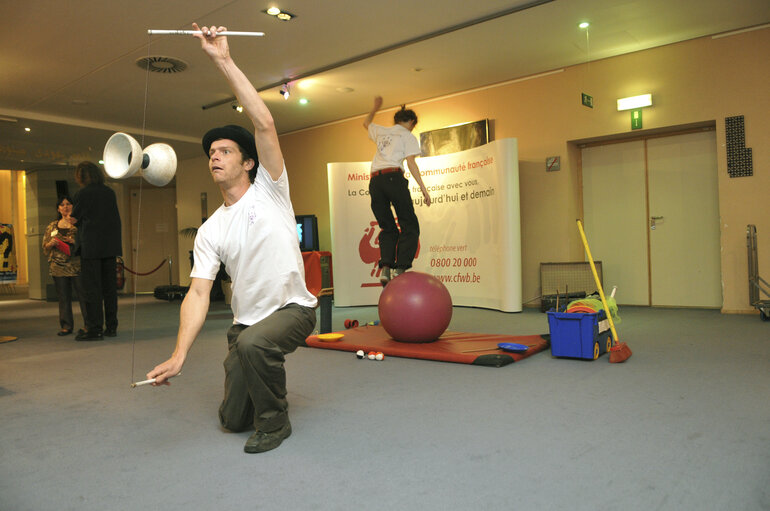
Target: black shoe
pixel 63 332
pixel 110 332
pixel 260 441
pixel 88 336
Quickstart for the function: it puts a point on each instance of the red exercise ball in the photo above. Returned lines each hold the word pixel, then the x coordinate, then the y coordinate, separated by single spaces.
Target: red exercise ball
pixel 415 307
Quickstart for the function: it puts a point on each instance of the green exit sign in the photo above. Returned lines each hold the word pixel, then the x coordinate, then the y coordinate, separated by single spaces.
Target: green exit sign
pixel 636 119
pixel 587 100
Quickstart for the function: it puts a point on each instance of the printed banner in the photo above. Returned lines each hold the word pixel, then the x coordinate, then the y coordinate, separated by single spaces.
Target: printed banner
pixel 8 267
pixel 470 236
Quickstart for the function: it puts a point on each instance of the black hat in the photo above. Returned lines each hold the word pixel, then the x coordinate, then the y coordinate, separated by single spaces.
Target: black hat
pixel 241 136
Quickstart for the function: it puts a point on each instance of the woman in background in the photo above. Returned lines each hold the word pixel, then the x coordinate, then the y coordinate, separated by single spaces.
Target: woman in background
pixel 64 266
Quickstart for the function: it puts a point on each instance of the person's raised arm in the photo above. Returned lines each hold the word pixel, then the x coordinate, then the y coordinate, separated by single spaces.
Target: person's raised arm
pixel 265 136
pixel 191 318
pixel 375 108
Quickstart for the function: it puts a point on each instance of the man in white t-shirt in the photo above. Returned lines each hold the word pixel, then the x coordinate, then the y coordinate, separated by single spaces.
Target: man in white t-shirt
pixel 254 234
pixel 388 186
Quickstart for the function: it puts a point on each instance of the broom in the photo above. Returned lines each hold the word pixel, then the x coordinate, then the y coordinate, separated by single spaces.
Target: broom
pixel 619 352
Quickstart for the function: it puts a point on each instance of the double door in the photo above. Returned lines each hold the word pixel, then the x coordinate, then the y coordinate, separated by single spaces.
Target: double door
pixel 652 217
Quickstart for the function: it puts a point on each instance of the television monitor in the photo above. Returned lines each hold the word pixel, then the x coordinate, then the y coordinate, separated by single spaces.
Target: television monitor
pixel 307 232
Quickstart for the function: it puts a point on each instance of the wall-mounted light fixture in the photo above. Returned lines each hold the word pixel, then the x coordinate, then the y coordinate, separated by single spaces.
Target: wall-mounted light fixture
pixel 285 91
pixel 238 108
pixel 634 102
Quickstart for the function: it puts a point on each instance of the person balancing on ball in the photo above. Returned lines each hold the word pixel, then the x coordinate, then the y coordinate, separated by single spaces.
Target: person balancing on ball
pixel 388 185
pixel 254 234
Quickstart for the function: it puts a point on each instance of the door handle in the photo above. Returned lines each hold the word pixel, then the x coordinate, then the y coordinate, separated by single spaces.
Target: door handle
pixel 653 221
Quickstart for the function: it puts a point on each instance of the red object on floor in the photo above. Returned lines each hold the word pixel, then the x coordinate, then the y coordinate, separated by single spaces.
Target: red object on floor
pixel 459 347
pixel 313 272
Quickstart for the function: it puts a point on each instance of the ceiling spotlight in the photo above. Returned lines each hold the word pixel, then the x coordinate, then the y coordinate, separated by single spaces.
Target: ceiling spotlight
pixel 303 101
pixel 238 108
pixel 278 13
pixel 584 24
pixel 27 130
pixel 307 83
pixel 285 91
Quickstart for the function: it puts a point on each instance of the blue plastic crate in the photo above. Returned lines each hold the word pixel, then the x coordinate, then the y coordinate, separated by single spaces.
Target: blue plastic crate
pixel 576 334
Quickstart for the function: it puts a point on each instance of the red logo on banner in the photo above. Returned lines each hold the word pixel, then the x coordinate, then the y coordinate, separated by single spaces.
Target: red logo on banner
pixel 369 246
pixel 369 250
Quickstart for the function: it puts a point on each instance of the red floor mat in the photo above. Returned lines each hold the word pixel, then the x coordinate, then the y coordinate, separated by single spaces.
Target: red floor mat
pixel 460 347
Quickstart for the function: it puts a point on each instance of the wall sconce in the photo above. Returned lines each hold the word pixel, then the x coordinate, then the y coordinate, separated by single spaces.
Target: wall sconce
pixel 238 108
pixel 634 102
pixel 285 91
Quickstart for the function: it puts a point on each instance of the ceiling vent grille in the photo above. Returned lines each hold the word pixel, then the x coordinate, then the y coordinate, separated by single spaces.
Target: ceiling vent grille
pixel 161 64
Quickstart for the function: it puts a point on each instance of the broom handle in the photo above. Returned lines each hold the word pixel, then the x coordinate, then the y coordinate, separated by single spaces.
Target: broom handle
pixel 598 282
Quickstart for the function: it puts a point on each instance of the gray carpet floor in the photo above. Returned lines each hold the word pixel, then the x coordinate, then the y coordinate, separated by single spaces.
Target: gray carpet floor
pixel 684 424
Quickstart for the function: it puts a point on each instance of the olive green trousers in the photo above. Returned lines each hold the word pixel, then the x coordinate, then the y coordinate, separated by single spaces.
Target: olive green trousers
pixel 255 378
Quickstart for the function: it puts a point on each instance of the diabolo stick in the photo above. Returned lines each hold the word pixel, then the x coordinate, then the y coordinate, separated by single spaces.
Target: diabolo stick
pixel 193 32
pixel 148 382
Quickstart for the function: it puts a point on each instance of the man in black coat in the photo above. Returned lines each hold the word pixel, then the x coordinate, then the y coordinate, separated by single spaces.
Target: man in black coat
pixel 98 243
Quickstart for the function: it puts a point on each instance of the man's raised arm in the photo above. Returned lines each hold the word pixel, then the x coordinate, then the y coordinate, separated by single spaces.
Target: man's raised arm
pixel 265 136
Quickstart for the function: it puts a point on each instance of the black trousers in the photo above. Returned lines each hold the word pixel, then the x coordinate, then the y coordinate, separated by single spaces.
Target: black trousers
pixel 397 247
pixel 99 281
pixel 255 378
pixel 64 287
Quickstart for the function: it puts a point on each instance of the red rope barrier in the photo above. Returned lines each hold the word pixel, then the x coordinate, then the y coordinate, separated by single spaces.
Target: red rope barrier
pixel 129 270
